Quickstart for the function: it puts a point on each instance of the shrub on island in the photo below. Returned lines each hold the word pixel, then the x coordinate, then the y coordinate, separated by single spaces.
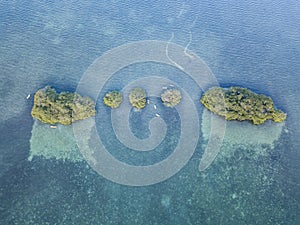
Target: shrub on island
pixel 241 104
pixel 65 107
pixel 113 99
pixel 137 98
pixel 171 97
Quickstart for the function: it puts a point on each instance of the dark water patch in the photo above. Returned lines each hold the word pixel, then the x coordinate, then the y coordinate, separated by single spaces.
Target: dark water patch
pixel 50 191
pixel 59 86
pixel 5 86
pixel 15 135
pixel 14 170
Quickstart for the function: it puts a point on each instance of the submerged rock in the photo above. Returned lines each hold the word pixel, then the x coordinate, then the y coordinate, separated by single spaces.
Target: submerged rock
pixel 65 107
pixel 241 104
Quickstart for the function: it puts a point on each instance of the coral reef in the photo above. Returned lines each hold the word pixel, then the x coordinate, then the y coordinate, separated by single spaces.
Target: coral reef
pixel 241 104
pixel 171 97
pixel 137 98
pixel 65 107
pixel 113 99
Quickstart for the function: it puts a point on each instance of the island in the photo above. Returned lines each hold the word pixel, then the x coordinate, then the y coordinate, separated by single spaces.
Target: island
pixel 137 98
pixel 171 97
pixel 113 99
pixel 237 103
pixel 65 107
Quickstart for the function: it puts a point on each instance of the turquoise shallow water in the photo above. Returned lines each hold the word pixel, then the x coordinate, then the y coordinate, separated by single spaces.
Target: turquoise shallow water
pixel 252 181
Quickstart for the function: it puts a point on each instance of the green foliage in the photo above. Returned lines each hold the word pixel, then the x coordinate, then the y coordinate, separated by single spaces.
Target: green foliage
pixel 137 98
pixel 65 108
pixel 241 104
pixel 171 97
pixel 113 99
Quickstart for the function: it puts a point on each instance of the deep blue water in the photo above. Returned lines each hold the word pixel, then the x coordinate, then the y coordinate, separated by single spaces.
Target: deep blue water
pixel 255 44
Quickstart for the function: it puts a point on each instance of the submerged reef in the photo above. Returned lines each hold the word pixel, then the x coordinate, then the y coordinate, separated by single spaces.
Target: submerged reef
pixel 171 97
pixel 137 98
pixel 58 144
pixel 241 104
pixel 65 107
pixel 113 99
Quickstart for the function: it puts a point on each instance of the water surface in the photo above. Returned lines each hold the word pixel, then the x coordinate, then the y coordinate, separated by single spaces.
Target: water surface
pixel 255 44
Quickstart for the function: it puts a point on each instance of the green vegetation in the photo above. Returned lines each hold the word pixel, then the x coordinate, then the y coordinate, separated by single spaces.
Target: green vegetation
pixel 137 98
pixel 171 97
pixel 65 108
pixel 241 104
pixel 113 99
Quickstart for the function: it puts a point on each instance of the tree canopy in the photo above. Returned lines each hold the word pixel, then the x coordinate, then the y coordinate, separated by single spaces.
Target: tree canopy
pixel 65 107
pixel 241 104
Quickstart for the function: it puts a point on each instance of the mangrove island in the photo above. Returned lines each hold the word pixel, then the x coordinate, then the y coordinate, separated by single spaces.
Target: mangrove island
pixel 237 103
pixel 171 97
pixel 65 107
pixel 113 99
pixel 137 98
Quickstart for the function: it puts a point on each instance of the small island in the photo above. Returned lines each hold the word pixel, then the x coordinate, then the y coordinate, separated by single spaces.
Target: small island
pixel 113 99
pixel 237 103
pixel 65 107
pixel 137 98
pixel 171 97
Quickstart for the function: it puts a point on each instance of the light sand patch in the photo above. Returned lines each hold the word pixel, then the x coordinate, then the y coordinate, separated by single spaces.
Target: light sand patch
pixel 52 143
pixel 244 134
